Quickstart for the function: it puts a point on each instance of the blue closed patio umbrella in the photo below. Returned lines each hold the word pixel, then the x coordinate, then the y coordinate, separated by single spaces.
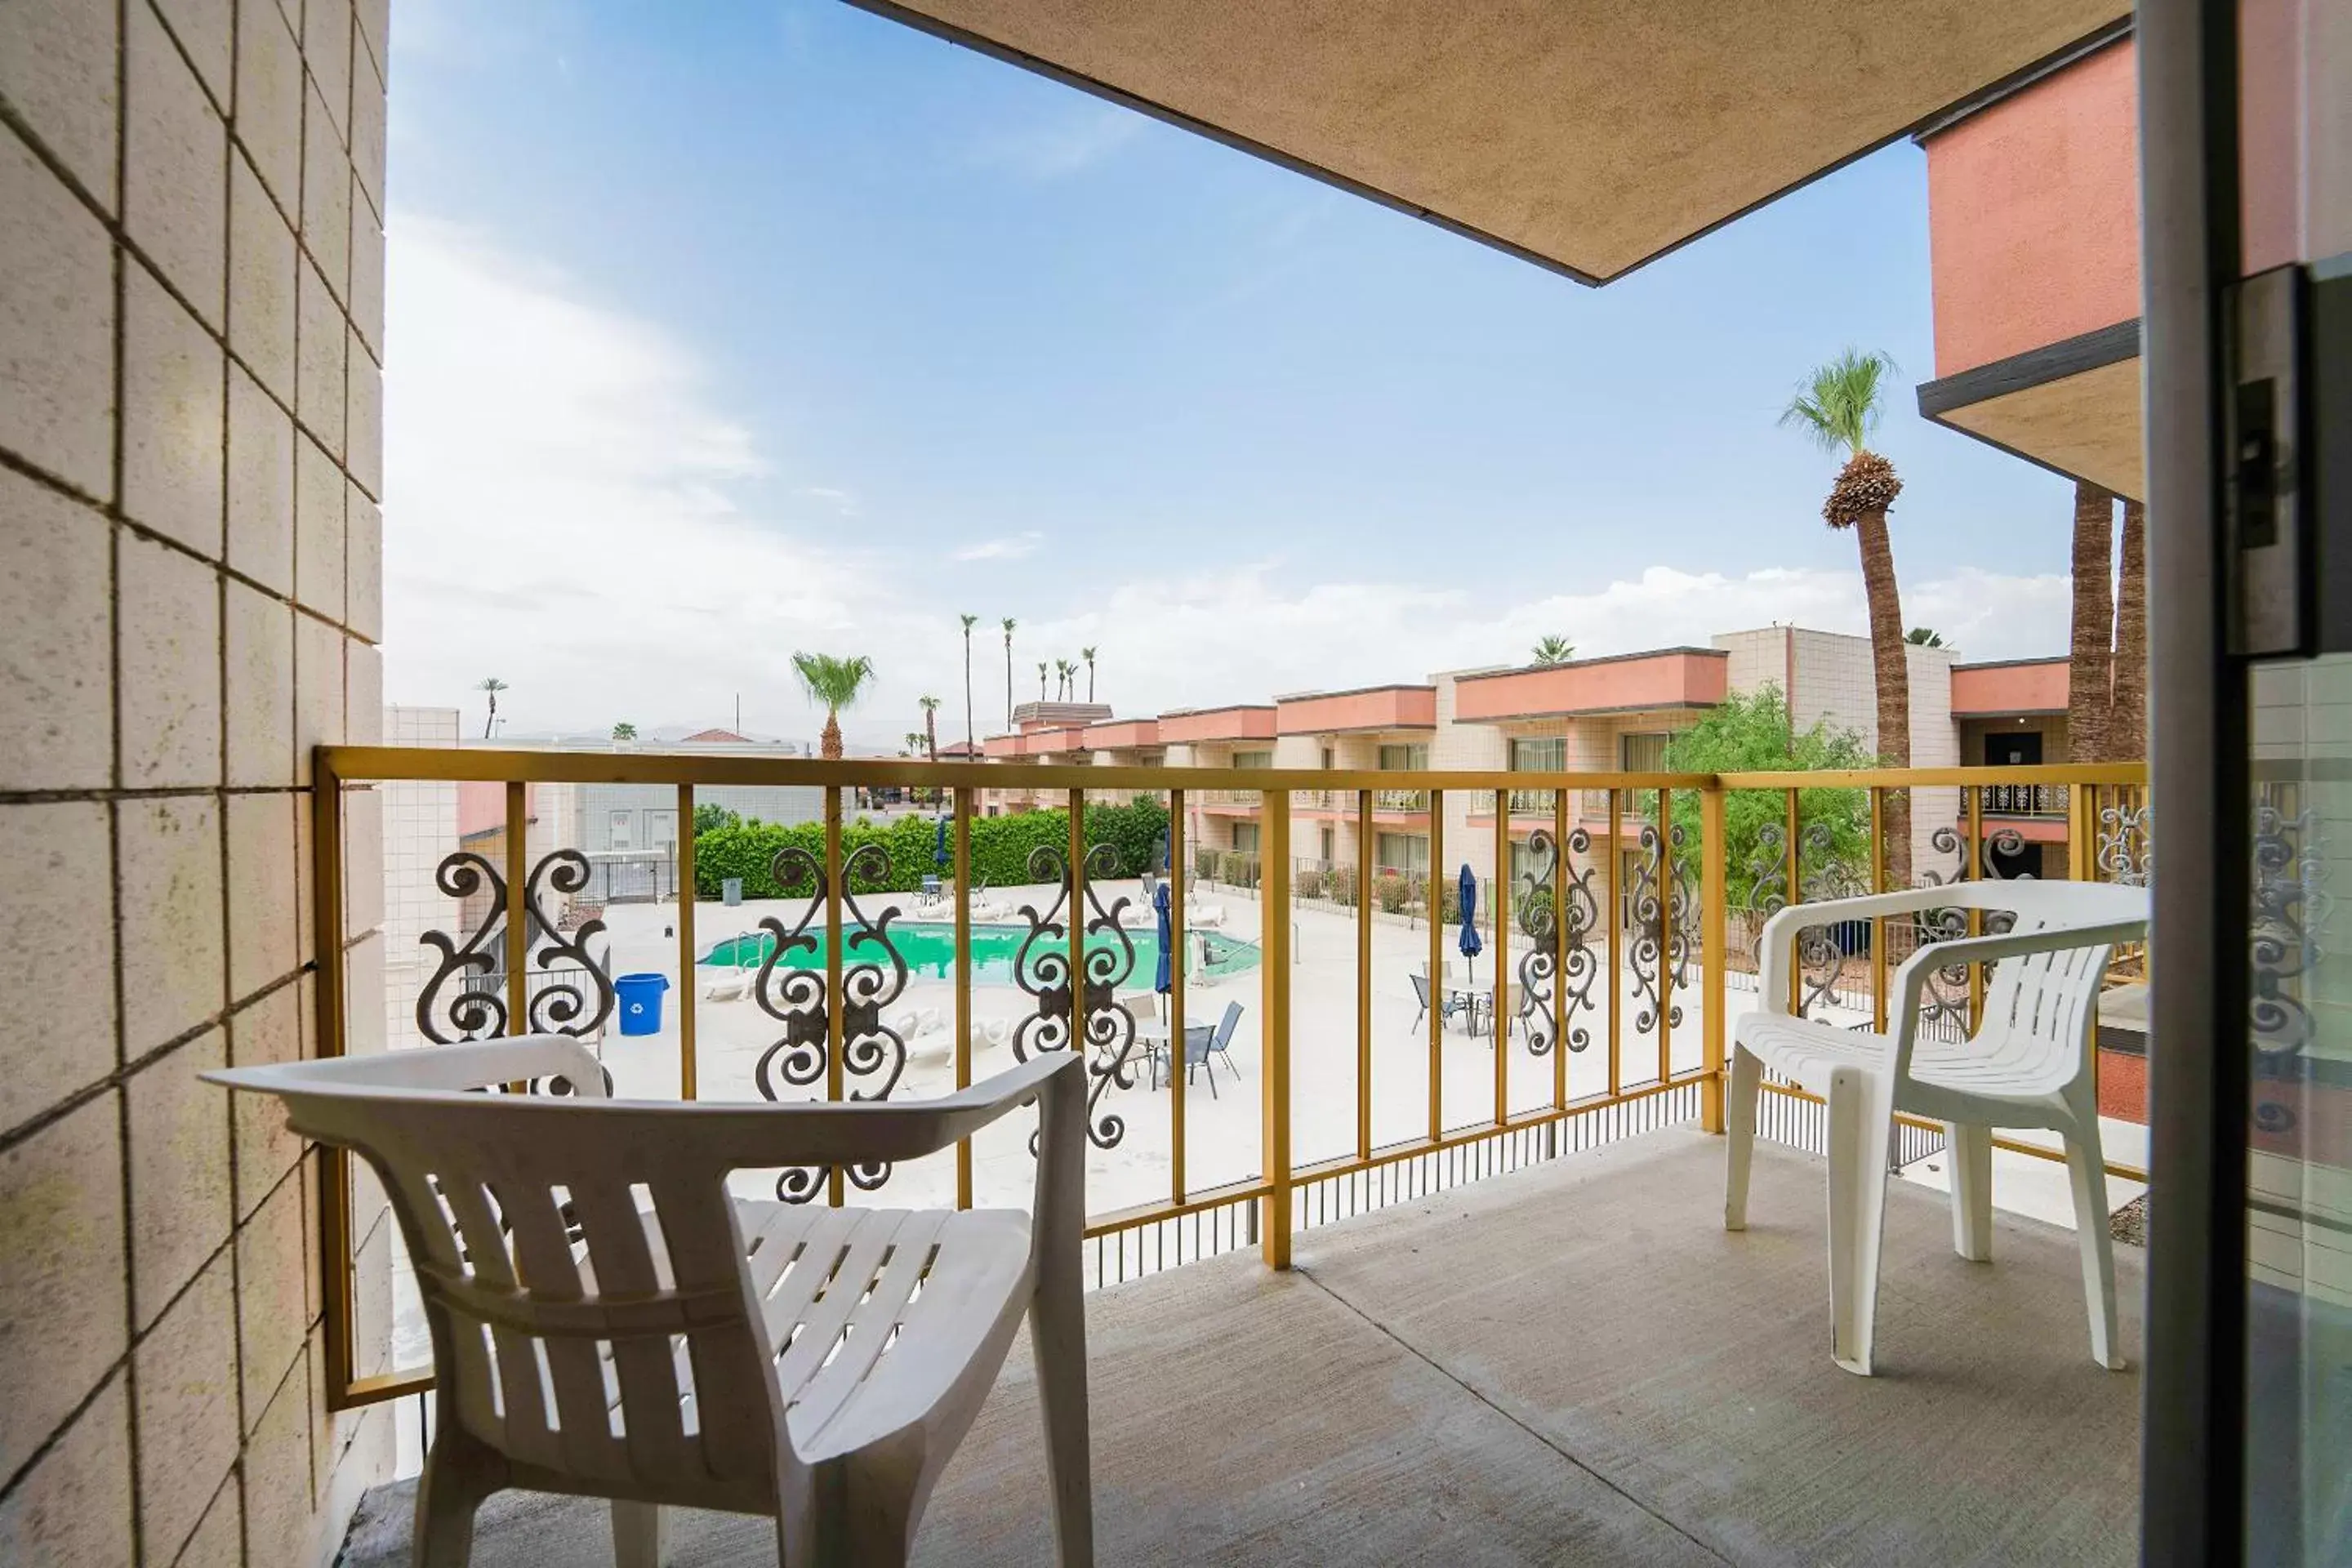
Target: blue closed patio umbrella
pixel 940 856
pixel 1162 981
pixel 1466 895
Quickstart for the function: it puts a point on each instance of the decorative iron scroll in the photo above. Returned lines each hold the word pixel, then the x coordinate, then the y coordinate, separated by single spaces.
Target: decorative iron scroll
pixel 1041 967
pixel 1656 956
pixel 1540 924
pixel 2126 849
pixel 470 1014
pixel 2289 903
pixel 557 1009
pixel 873 975
pixel 477 1006
pixel 1820 954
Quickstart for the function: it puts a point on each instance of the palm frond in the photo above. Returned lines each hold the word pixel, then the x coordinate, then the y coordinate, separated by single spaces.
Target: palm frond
pixel 1839 405
pixel 832 680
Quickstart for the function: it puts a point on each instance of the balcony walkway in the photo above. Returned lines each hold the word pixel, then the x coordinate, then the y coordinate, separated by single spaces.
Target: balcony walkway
pixel 1571 1364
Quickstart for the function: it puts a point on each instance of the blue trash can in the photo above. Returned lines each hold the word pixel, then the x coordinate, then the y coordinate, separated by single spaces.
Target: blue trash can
pixel 641 1002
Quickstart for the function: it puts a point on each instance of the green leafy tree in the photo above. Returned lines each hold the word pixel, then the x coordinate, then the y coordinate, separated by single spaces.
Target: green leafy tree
pixel 710 817
pixel 1838 406
pixel 835 682
pixel 1750 733
pixel 1925 636
pixel 1554 649
pixel 1001 848
pixel 624 732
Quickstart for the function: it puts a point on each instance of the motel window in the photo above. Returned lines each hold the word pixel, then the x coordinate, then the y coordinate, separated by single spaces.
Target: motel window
pixel 1245 837
pixel 1252 759
pixel 1402 852
pixel 1405 759
pixel 1541 754
pixel 1643 752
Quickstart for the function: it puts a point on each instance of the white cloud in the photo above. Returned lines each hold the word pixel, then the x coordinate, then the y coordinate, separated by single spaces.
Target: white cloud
pixel 1078 139
pixel 1012 547
pixel 569 509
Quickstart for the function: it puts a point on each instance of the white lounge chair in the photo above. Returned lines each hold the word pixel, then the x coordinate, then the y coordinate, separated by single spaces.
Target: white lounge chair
pixel 1204 917
pixel 2029 1065
pixel 708 1352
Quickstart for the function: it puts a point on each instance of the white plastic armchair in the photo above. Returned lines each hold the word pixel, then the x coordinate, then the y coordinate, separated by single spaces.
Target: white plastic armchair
pixel 608 1320
pixel 2028 1065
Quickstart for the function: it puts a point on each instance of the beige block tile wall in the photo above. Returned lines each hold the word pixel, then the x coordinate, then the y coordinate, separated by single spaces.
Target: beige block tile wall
pixel 191 327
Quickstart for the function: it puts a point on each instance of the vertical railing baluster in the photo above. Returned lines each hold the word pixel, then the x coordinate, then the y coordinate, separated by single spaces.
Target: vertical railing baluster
pixel 1499 1026
pixel 334 1165
pixel 1077 931
pixel 1559 950
pixel 834 938
pixel 1274 1074
pixel 683 847
pixel 1430 906
pixel 1665 935
pixel 1363 975
pixel 1974 872
pixel 1714 971
pixel 1176 957
pixel 963 979
pixel 1878 925
pixel 518 909
pixel 1794 862
pixel 1613 920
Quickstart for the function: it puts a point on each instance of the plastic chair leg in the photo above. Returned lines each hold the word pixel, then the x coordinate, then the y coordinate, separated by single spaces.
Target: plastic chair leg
pixel 1967 1150
pixel 2087 1166
pixel 1739 1131
pixel 1860 1111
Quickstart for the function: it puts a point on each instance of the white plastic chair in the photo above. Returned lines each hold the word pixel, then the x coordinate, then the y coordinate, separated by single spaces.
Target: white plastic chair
pixel 608 1321
pixel 2028 1065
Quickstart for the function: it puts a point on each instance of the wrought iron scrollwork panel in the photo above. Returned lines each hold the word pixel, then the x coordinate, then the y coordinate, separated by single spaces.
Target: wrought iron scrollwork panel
pixel 1540 965
pixel 1822 949
pixel 1103 1027
pixel 466 1014
pixel 874 974
pixel 1652 955
pixel 464 998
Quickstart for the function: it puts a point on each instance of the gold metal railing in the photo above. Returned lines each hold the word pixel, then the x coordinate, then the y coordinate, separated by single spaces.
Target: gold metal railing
pixel 1634 879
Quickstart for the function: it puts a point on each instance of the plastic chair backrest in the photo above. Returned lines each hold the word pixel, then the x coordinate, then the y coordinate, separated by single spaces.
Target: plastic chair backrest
pixel 2041 1010
pixel 580 1335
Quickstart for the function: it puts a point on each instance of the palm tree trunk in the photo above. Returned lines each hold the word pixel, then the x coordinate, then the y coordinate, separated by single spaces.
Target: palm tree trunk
pixel 970 745
pixel 2128 720
pixel 1891 665
pixel 2090 664
pixel 930 735
pixel 829 744
pixel 1090 679
pixel 1008 680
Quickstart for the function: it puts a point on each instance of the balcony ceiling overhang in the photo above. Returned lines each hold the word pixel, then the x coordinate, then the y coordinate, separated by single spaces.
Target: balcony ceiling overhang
pixel 2073 407
pixel 1588 137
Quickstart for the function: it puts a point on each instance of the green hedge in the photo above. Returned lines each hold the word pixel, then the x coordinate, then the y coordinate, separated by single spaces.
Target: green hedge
pixel 1001 847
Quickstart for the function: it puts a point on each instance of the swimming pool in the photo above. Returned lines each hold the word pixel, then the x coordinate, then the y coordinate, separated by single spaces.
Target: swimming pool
pixel 929 948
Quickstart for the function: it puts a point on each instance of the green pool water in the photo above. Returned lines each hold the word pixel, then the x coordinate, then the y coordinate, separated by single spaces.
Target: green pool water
pixel 929 948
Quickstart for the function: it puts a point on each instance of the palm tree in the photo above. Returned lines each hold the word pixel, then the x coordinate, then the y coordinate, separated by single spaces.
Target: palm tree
pixel 2090 658
pixel 1838 406
pixel 1925 636
pixel 1554 648
pixel 2128 720
pixel 912 743
pixel 1065 678
pixel 970 742
pixel 1089 655
pixel 836 682
pixel 930 707
pixel 493 685
pixel 1008 671
pixel 1041 680
pixel 624 732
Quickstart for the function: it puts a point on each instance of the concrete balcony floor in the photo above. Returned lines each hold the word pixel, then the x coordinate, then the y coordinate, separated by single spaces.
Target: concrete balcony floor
pixel 1571 1364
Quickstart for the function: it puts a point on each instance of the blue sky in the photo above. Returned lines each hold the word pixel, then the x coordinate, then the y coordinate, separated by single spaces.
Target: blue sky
pixel 719 331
